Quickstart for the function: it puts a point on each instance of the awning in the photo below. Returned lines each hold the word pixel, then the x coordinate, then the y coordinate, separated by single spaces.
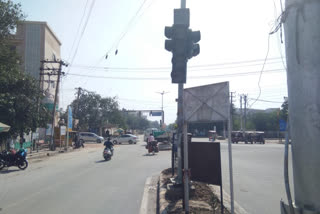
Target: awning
pixel 4 127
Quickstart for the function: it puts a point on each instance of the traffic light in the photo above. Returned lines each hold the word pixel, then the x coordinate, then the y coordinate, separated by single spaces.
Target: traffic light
pixel 182 43
pixel 193 47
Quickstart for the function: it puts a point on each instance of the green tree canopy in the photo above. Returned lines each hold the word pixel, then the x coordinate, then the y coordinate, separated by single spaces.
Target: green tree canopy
pixel 93 111
pixel 20 96
pixel 284 110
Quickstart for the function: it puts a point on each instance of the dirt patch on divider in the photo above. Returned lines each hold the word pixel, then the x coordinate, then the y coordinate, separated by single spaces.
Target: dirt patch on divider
pixel 202 198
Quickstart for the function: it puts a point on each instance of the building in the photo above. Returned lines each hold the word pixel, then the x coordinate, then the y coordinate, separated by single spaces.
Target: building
pixel 35 42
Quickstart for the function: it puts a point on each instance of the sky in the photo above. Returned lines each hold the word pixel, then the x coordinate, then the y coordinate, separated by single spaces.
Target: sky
pixel 234 44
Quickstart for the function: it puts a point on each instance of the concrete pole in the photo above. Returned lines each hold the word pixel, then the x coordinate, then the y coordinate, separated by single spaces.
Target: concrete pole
pixel 54 106
pixel 241 113
pixel 230 155
pixel 162 93
pixel 186 166
pixel 67 137
pixel 162 113
pixel 245 112
pixel 302 41
pixel 180 130
pixel 183 4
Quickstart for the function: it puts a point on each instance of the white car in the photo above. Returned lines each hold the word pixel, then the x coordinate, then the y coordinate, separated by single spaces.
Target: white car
pixel 90 137
pixel 126 138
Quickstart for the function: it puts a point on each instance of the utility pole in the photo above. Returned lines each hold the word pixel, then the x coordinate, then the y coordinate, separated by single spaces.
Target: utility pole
pixel 77 107
pixel 59 72
pixel 241 113
pixel 162 93
pixel 245 112
pixel 230 127
pixel 302 33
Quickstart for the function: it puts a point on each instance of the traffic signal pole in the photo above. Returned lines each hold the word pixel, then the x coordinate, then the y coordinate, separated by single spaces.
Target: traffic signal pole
pixel 182 42
pixel 183 3
pixel 184 126
pixel 180 124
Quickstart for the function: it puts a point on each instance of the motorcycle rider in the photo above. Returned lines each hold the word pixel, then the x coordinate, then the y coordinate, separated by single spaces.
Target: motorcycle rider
pixel 149 141
pixel 109 144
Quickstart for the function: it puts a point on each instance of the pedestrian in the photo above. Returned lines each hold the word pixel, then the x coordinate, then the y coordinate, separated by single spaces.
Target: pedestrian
pixel 107 133
pixel 22 140
pixel 76 139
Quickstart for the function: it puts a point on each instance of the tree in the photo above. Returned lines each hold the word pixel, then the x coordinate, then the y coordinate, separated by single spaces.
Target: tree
pixel 10 15
pixel 284 110
pixel 19 103
pixel 262 121
pixel 136 122
pixel 20 96
pixel 94 112
pixel 154 124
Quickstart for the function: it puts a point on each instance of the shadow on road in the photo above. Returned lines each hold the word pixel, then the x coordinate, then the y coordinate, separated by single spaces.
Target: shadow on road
pixel 151 155
pixel 101 161
pixel 8 171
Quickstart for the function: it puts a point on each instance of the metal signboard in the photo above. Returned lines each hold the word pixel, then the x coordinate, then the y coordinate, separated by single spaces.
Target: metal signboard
pixel 207 103
pixel 205 162
pixel 63 130
pixel 155 113
pixel 282 125
pixel 49 129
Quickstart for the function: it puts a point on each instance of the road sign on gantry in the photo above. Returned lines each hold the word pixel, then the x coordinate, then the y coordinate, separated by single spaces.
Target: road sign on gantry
pixel 207 103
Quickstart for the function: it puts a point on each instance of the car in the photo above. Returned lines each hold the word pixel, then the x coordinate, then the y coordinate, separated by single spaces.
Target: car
pixel 90 137
pixel 126 138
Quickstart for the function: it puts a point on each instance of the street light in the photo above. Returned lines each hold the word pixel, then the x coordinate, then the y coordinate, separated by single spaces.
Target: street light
pixel 162 93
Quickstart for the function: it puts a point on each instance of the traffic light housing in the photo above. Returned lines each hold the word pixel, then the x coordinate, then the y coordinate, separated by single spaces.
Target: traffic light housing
pixel 194 48
pixel 182 42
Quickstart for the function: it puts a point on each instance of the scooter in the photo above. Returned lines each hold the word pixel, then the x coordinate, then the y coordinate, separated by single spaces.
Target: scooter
pixel 153 147
pixel 19 159
pixel 107 153
pixel 78 144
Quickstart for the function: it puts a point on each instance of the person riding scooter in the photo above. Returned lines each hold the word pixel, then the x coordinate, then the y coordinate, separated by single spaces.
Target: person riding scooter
pixel 108 144
pixel 149 142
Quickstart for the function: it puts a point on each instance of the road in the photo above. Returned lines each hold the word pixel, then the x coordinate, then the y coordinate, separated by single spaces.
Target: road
pixel 257 175
pixel 81 182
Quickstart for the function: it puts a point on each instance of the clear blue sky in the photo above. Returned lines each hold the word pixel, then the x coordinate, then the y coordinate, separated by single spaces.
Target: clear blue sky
pixel 232 31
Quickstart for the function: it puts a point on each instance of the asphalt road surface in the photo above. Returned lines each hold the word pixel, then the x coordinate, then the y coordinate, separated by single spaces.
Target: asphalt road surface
pixel 257 175
pixel 81 182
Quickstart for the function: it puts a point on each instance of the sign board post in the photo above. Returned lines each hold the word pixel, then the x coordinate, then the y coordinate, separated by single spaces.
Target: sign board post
pixel 62 132
pixel 206 103
pixel 282 128
pixel 69 125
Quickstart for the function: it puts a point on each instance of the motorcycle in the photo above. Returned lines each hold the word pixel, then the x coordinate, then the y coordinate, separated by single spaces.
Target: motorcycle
pixel 153 147
pixel 19 159
pixel 78 144
pixel 107 153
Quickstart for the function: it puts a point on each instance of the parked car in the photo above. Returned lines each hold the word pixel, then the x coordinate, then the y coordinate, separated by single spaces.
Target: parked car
pixel 90 137
pixel 126 138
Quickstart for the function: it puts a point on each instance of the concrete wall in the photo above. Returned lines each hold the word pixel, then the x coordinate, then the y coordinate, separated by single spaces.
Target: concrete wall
pixel 35 41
